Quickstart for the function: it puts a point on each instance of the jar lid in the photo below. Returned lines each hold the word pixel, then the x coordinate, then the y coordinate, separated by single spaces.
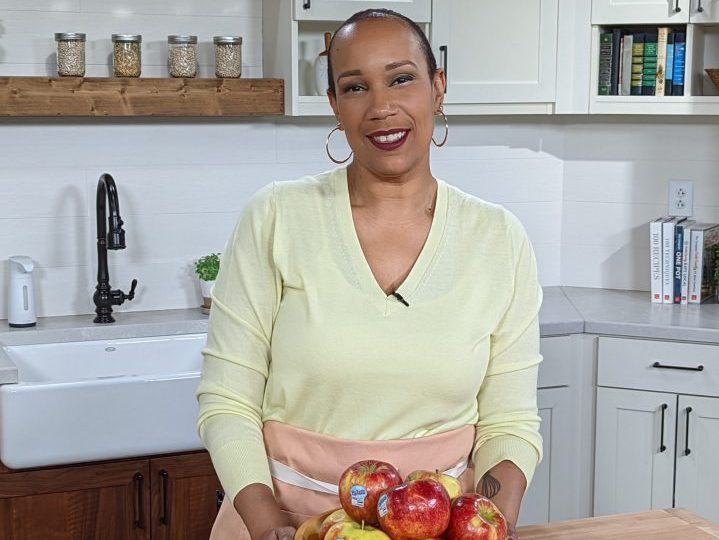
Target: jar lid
pixel 69 36
pixel 126 38
pixel 177 40
pixel 227 39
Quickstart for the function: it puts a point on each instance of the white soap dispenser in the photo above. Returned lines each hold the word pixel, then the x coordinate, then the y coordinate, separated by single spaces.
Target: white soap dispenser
pixel 21 297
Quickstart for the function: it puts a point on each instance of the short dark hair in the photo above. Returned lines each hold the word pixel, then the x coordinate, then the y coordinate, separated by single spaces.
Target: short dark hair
pixel 383 13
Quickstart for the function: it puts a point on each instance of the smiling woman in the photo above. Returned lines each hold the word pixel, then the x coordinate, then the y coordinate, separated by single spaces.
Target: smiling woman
pixel 372 311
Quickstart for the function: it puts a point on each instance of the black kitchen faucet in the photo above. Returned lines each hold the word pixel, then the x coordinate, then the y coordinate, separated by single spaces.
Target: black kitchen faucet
pixel 104 296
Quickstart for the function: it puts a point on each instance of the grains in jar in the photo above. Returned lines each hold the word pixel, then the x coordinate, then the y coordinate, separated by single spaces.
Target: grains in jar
pixel 127 55
pixel 70 54
pixel 182 56
pixel 228 56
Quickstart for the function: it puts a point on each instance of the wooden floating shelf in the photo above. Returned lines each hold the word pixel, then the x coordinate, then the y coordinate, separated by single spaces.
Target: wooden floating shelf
pixel 119 97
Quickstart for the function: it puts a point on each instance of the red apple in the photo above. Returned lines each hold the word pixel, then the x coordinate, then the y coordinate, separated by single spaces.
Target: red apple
pixel 418 509
pixel 450 483
pixel 338 516
pixel 349 530
pixel 475 517
pixel 361 485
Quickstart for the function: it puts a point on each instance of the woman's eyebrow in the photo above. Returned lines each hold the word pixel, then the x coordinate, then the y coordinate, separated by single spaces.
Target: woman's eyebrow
pixel 400 63
pixel 350 73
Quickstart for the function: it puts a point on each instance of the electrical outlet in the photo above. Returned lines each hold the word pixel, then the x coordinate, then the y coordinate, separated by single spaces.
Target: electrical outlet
pixel 681 198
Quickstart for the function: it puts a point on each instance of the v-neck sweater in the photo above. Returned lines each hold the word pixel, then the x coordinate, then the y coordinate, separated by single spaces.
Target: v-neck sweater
pixel 300 332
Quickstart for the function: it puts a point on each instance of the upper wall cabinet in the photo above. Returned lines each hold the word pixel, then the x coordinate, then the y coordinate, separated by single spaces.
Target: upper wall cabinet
pixel 641 11
pixel 704 11
pixel 339 10
pixel 497 54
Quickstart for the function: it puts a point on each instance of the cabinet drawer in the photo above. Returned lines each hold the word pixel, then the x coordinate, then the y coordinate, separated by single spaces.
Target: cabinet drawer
pixel 657 366
pixel 555 369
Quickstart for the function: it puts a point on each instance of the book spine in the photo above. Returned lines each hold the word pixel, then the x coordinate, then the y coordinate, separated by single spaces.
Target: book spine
pixel 679 59
pixel 649 74
pixel 669 71
pixel 677 267
pixel 695 267
pixel 626 77
pixel 661 60
pixel 686 254
pixel 616 38
pixel 605 64
pixel 637 64
pixel 667 262
pixel 708 287
pixel 655 260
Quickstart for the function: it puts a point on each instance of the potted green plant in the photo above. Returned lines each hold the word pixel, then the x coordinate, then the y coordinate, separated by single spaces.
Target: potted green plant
pixel 206 269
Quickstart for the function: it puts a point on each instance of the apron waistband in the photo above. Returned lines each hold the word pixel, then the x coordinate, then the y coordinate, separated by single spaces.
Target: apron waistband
pixel 288 475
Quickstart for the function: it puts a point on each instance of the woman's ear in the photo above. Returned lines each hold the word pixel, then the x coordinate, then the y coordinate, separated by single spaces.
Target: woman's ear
pixel 440 86
pixel 333 103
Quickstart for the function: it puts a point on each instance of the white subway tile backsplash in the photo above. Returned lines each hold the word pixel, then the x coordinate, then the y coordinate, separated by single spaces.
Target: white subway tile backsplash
pixel 42 192
pixel 62 241
pixel 39 5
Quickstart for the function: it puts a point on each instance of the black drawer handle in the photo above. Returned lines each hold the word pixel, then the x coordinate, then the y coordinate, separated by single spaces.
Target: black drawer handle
pixel 306 4
pixel 677 9
pixel 163 511
pixel 687 450
pixel 700 9
pixel 663 448
pixel 683 368
pixel 139 518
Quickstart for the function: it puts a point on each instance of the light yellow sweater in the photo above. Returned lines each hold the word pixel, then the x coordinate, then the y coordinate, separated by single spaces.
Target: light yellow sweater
pixel 300 332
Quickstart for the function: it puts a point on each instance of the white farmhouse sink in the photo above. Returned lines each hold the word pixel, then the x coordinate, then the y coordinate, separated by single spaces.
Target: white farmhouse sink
pixel 94 400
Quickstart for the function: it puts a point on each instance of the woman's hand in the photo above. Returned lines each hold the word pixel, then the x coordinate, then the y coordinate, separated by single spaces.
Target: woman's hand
pixel 280 533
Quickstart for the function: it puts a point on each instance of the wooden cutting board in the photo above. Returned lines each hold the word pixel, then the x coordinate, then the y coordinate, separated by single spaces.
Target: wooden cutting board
pixel 674 524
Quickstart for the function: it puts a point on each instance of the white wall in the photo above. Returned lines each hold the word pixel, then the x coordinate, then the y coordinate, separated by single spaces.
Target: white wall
pixel 584 187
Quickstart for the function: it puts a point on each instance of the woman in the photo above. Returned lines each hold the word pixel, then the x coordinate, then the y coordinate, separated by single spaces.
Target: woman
pixel 371 312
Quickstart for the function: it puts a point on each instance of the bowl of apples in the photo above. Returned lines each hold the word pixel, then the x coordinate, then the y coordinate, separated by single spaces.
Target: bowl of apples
pixel 377 504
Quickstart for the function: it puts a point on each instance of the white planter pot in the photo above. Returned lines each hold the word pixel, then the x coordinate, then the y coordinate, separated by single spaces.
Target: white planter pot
pixel 206 288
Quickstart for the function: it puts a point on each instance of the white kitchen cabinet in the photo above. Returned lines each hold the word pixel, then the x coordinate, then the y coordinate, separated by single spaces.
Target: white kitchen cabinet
pixel 697 465
pixel 704 11
pixel 497 53
pixel 644 385
pixel 640 11
pixel 551 496
pixel 634 460
pixel 339 10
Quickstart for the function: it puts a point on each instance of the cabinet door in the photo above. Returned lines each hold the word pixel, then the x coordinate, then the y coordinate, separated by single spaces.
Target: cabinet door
pixel 698 456
pixel 704 11
pixel 186 496
pixel 105 501
pixel 339 10
pixel 640 11
pixel 550 495
pixel 497 52
pixel 634 451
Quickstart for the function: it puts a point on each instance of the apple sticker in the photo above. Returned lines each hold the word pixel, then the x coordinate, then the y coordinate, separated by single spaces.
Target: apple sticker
pixel 358 494
pixel 382 505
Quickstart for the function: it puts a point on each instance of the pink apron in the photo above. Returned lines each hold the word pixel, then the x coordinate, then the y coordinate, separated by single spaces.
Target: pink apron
pixel 306 467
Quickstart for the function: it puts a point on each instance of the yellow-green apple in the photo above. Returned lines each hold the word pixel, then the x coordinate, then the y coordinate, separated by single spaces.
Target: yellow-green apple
pixel 338 516
pixel 349 530
pixel 418 509
pixel 361 485
pixel 450 483
pixel 475 517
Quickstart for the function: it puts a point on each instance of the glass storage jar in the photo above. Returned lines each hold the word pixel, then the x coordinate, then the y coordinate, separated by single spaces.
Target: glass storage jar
pixel 127 55
pixel 228 56
pixel 182 56
pixel 70 54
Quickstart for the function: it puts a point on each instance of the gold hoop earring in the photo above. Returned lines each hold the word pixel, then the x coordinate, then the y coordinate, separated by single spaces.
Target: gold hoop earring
pixel 446 130
pixel 327 146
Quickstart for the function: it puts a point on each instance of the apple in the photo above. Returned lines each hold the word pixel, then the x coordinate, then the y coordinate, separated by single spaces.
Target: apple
pixel 450 483
pixel 475 517
pixel 338 516
pixel 418 509
pixel 349 530
pixel 361 485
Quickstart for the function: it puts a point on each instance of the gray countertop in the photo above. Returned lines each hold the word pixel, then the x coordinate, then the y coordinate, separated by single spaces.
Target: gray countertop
pixel 565 310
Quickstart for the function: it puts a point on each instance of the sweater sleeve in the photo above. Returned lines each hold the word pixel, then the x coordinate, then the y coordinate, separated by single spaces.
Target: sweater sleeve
pixel 508 424
pixel 245 300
